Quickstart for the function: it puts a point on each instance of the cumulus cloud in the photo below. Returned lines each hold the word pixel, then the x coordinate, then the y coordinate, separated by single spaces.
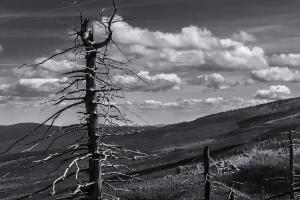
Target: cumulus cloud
pixel 211 81
pixel 147 82
pixel 191 46
pixel 292 60
pixel 206 105
pixel 40 83
pixel 214 100
pixel 179 104
pixel 244 37
pixel 275 92
pixel 276 74
pixel 52 67
pixel 33 87
pixel 58 65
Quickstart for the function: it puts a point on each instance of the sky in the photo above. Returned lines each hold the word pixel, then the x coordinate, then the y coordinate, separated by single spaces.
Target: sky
pixel 198 57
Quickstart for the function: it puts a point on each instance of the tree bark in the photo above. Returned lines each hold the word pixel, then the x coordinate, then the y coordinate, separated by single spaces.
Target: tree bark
pixel 95 190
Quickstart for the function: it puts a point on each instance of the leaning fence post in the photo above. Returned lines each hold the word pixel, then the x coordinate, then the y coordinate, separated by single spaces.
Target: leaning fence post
pixel 231 194
pixel 262 190
pixel 207 183
pixel 292 171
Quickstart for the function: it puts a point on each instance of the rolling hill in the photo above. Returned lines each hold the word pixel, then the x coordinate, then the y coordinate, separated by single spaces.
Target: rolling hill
pixel 228 133
pixel 220 131
pixel 176 143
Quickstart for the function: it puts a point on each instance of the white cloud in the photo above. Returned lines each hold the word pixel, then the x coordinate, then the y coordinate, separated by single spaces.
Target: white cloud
pixel 191 46
pixel 275 92
pixel 147 82
pixel 276 74
pixel 179 104
pixel 204 106
pixel 52 67
pixel 285 59
pixel 58 65
pixel 214 100
pixel 1 48
pixel 211 81
pixel 4 86
pixel 33 87
pixel 244 37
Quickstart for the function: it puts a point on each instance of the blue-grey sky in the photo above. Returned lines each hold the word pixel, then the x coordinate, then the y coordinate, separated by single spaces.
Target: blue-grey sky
pixel 198 56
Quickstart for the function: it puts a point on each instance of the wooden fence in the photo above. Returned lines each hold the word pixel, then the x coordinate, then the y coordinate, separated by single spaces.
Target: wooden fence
pixel 233 193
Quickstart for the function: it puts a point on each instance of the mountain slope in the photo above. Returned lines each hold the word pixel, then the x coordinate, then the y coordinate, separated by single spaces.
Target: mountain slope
pixel 223 130
pixel 185 140
pixel 15 131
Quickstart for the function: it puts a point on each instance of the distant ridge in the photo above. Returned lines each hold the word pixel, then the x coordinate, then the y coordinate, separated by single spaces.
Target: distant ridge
pixel 290 106
pixel 245 112
pixel 177 142
pixel 14 131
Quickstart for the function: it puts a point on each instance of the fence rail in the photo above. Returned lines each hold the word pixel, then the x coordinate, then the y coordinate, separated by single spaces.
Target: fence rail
pixel 209 182
pixel 291 179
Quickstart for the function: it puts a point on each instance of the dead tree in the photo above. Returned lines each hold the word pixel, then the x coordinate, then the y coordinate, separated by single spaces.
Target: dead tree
pixel 91 91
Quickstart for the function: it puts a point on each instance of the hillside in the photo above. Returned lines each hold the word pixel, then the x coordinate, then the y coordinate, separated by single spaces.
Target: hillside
pixel 251 131
pixel 223 130
pixel 14 131
pixel 176 142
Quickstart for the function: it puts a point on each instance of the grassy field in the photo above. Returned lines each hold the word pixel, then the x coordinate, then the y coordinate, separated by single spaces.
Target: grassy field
pixel 261 167
pixel 254 167
pixel 247 147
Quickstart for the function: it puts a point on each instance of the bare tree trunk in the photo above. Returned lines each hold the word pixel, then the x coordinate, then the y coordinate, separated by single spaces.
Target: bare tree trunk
pixel 207 195
pixel 95 189
pixel 100 91
pixel 292 171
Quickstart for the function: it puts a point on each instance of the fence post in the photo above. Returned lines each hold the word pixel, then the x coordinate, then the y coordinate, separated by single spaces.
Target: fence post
pixel 207 184
pixel 262 190
pixel 231 194
pixel 292 171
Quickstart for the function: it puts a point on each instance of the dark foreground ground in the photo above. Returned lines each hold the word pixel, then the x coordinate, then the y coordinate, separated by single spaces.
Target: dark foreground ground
pixel 248 147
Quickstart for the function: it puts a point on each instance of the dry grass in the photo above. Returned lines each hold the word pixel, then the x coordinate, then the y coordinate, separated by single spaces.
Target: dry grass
pixel 179 186
pixel 257 161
